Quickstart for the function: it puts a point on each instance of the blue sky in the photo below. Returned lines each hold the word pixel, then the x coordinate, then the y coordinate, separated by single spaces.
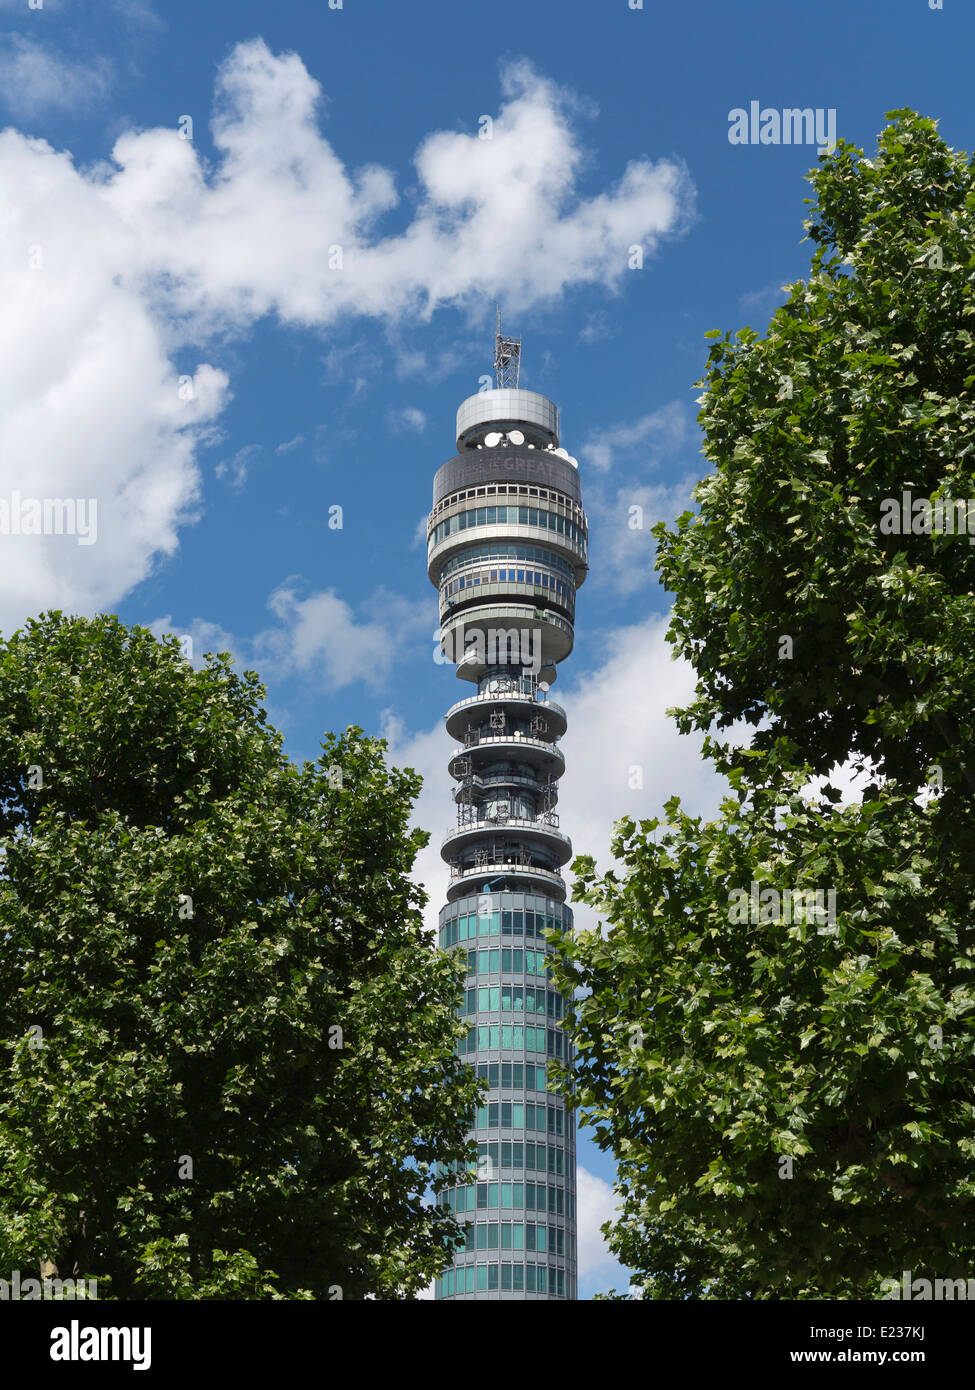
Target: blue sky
pixel 176 344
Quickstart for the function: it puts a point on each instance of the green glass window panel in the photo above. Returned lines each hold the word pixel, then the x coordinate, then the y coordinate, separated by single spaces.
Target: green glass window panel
pixel 506 1235
pixel 505 958
pixel 482 1276
pixel 495 997
pixel 541 1237
pixel 529 1153
pixel 492 1188
pixel 530 1235
pixel 492 1114
pixel 482 1231
pixel 517 1160
pixel 517 1195
pixel 469 1279
pixel 517 1236
pixel 481 1117
pixel 482 1194
pixel 506 1194
pixel 492 1276
pixel 506 1035
pixel 506 1277
pixel 495 1035
pixel 482 997
pixel 495 923
pixel 518 1037
pixel 492 1231
pixel 483 963
pixel 529 1278
pixel 495 961
pixel 517 1116
pixel 516 961
pixel 518 1278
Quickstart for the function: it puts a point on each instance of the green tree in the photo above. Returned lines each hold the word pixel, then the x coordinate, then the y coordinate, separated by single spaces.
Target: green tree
pixel 791 1102
pixel 227 1044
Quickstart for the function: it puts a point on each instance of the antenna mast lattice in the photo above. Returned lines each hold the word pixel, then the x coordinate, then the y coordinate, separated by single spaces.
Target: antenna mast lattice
pixel 507 359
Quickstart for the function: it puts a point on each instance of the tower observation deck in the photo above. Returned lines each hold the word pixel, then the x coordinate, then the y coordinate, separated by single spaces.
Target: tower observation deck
pixel 507 549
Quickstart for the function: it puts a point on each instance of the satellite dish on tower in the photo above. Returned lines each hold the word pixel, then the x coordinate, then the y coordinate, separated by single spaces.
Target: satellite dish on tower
pixel 562 453
pixel 515 437
pixel 492 440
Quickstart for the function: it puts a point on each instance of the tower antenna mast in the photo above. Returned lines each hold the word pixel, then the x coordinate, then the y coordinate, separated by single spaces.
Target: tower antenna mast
pixel 507 359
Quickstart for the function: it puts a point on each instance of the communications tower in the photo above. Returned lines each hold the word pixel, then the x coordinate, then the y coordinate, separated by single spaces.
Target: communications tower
pixel 507 549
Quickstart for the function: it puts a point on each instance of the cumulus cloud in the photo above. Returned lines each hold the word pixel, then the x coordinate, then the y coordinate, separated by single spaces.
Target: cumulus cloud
pixel 596 1204
pixel 113 273
pixel 322 638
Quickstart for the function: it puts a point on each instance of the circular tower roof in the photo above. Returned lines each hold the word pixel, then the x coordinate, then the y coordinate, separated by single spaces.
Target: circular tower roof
pixel 536 416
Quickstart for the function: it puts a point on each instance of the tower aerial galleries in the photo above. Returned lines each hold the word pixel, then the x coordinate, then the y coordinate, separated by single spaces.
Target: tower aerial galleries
pixel 507 548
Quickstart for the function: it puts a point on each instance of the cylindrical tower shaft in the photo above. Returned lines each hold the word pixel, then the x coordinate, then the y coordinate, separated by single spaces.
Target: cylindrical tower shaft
pixel 507 549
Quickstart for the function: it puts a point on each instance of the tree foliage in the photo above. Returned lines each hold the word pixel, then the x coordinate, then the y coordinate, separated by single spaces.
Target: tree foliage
pixel 791 1102
pixel 226 1043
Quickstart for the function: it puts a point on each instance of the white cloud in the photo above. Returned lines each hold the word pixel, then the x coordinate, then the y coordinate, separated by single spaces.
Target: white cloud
pixel 154 252
pixel 619 733
pixel 204 637
pixel 596 1203
pixel 262 233
pixel 34 79
pixel 410 417
pixel 652 436
pixel 90 403
pixel 322 638
pixel 235 470
pixel 622 537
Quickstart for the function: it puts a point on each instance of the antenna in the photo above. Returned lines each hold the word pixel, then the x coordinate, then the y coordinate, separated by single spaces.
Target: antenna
pixel 507 358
